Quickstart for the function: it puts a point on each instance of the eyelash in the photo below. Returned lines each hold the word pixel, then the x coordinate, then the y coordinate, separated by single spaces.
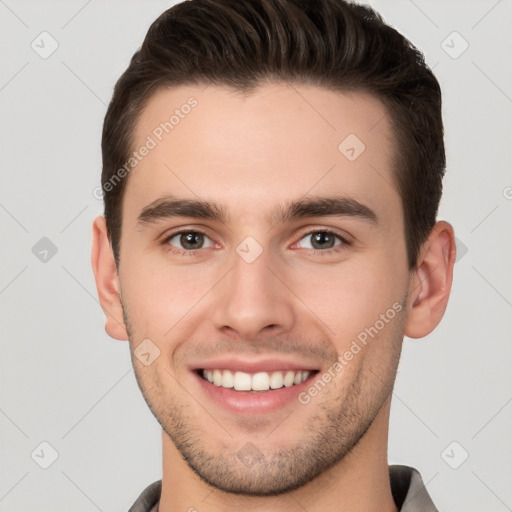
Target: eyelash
pixel 344 242
pixel 327 252
pixel 182 252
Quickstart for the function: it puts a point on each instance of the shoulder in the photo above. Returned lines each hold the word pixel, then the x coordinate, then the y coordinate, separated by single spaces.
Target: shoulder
pixel 148 499
pixel 409 491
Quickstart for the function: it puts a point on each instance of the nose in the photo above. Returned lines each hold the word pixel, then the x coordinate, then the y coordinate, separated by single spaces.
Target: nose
pixel 253 300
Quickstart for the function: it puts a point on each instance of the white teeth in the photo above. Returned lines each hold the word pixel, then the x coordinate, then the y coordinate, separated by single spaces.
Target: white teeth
pixel 242 381
pixel 227 379
pixel 288 379
pixel 260 381
pixel 217 377
pixel 276 380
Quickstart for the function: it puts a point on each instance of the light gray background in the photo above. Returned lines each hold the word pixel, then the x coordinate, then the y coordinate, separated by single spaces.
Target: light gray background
pixel 64 381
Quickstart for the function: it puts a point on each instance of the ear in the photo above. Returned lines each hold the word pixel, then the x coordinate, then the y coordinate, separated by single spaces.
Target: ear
pixel 107 280
pixel 431 282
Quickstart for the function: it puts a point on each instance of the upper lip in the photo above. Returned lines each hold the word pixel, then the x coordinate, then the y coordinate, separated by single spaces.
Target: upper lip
pixel 252 365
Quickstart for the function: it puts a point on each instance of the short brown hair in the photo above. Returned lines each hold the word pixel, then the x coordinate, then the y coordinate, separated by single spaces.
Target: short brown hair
pixel 331 43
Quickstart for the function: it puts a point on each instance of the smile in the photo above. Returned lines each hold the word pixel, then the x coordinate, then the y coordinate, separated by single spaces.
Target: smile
pixel 258 381
pixel 252 387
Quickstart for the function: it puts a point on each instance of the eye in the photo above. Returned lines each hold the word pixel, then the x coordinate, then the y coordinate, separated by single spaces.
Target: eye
pixel 188 240
pixel 321 240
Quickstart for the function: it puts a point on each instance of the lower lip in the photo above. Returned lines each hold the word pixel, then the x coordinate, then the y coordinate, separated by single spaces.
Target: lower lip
pixel 245 402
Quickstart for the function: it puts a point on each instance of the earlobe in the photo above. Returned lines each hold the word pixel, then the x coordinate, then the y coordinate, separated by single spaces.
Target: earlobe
pixel 107 280
pixel 431 282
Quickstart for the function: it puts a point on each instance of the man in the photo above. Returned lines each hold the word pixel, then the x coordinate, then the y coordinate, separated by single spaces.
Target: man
pixel 271 172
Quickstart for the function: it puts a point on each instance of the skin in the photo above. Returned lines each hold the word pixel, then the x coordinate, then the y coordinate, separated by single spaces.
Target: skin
pixel 250 154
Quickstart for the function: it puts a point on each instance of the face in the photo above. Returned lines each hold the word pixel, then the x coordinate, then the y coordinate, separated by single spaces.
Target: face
pixel 263 248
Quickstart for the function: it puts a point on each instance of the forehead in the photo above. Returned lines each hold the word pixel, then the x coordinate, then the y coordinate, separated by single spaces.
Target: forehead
pixel 281 141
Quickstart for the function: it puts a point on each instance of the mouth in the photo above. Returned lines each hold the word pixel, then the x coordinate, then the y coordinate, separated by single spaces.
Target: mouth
pixel 254 392
pixel 255 382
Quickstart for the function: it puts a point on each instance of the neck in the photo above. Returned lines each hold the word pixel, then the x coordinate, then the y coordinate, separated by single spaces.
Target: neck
pixel 359 482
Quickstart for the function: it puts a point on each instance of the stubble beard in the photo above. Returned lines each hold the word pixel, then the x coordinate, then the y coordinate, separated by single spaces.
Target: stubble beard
pixel 331 434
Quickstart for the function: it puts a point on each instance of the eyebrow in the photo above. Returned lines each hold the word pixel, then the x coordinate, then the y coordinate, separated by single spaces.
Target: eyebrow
pixel 170 206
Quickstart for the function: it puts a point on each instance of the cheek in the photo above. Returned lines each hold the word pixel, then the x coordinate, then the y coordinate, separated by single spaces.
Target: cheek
pixel 350 298
pixel 159 296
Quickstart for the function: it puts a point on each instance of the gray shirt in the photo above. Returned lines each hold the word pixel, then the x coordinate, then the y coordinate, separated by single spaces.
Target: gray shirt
pixel 407 487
